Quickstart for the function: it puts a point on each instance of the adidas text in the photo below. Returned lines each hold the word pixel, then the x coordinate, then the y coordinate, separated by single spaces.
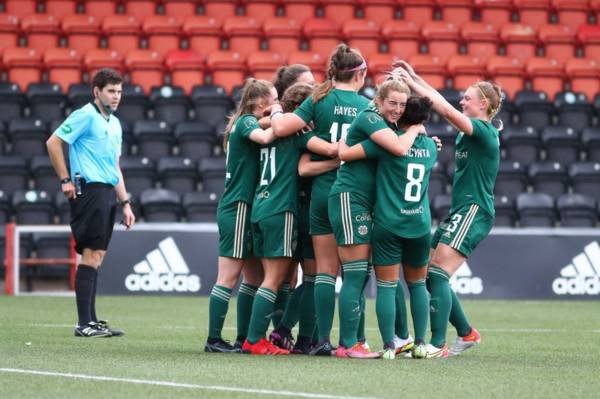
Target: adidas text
pixel 576 286
pixel 582 275
pixel 165 282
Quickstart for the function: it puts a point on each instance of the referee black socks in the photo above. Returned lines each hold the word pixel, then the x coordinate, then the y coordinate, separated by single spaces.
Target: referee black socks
pixel 84 285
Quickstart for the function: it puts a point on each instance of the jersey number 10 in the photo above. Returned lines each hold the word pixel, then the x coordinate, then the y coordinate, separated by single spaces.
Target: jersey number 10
pixel 335 131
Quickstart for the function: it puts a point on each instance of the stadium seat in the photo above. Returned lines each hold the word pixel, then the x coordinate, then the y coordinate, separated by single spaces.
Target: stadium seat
pixel 195 139
pixel 138 173
pixel 9 31
pixel 282 34
pixel 507 111
pixel 363 35
pixel 14 174
pixel 179 174
pixel 584 75
pixel 219 8
pixel 154 138
pixel 562 144
pixel 134 104
pixel 323 35
pixel 419 11
pixel 589 37
pixel 243 34
pixel 548 177
pixel 203 32
pixel 95 60
pixel 300 10
pixel 380 65
pixel 63 66
pixel 430 68
pixel 590 139
pixel 495 12
pixel 63 208
pixel 42 31
pixel 211 104
pixel 20 8
pixel 533 12
pixel 50 245
pixel 508 72
pixel 511 178
pixel 100 8
pixel 160 205
pixel 186 69
pixel 44 176
pixel 140 9
pixel 339 11
pixel 447 134
pixel 457 11
pixel 260 9
pixel 201 207
pixel 506 214
pixel 577 210
pixel 438 181
pixel 522 143
pixel 403 37
pixel 60 8
pixel 465 70
pixel 519 40
pixel 3 139
pixel 12 101
pixel 441 206
pixel 33 207
pixel 573 110
pixel 535 109
pixel 180 8
pixel 558 40
pixel 442 38
pixel 28 137
pixel 536 210
pixel 4 214
pixel 546 75
pixel 379 11
pixel 481 38
pixel 264 64
pixel 585 178
pixel 82 32
pixel 572 12
pixel 227 68
pixel 170 104
pixel 163 32
pixel 46 101
pixel 314 61
pixel 145 68
pixel 212 174
pixel 595 8
pixel 24 66
pixel 122 32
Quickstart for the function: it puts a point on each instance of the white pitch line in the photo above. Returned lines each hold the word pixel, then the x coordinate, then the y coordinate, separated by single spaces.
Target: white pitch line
pixel 182 385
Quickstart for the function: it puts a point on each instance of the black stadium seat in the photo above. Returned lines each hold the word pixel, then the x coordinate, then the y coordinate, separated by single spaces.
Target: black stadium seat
pixel 522 143
pixel 28 137
pixel 178 174
pixel 548 177
pixel 211 104
pixel 12 102
pixel 79 94
pixel 577 210
pixel 590 139
pixel 3 138
pixel 46 101
pixel 195 139
pixel 511 179
pixel 4 209
pixel 63 208
pixel 534 108
pixel 506 213
pixel 14 174
pixel 139 174
pixel 562 144
pixel 574 110
pixel 44 176
pixel 585 178
pixel 33 207
pixel 201 207
pixel 536 210
pixel 212 173
pixel 134 104
pixel 170 104
pixel 154 139
pixel 161 205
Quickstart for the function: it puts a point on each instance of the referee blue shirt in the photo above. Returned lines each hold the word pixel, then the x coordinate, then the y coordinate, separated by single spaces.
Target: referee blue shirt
pixel 94 144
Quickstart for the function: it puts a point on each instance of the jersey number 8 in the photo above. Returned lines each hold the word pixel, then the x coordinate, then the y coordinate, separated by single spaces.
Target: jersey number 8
pixel 415 174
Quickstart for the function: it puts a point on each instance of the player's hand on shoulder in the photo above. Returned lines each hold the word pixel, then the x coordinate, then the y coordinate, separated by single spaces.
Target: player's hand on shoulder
pixel 438 143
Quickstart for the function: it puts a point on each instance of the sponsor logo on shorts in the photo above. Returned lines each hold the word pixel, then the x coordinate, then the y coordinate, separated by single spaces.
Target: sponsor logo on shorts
pixel 264 195
pixel 463 281
pixel 363 230
pixel 363 217
pixel 582 275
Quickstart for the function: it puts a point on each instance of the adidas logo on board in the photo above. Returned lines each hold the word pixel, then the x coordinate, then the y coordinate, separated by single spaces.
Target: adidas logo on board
pixel 582 275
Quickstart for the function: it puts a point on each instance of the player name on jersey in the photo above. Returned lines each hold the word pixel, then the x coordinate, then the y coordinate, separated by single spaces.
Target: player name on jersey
pixel 418 152
pixel 347 111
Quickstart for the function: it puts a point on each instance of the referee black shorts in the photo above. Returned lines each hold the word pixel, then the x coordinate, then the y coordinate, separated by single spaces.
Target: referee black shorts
pixel 93 216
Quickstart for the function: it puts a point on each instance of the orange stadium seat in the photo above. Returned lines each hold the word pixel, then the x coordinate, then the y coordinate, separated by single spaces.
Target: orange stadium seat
pixel 145 68
pixel 495 12
pixel 339 11
pixel 431 68
pixel 23 65
pixel 244 34
pixel 82 32
pixel 264 64
pixel 60 8
pixel 519 40
pixel 466 69
pixel 314 61
pixel 300 10
pixel 442 38
pixel 595 6
pixel 163 32
pixel 589 36
pixel 219 8
pixel 9 31
pixel 573 13
pixel 457 11
pixel 558 40
pixel 228 69
pixel 419 11
pixel 186 68
pixel 180 8
pixel 534 12
pixel 97 59
pixel 322 34
pixel 379 11
pixel 283 34
pixel 204 33
pixel 546 74
pixel 63 66
pixel 100 8
pixel 584 75
pixel 508 72
pixel 260 9
pixel 42 31
pixel 403 37
pixel 380 66
pixel 20 8
pixel 123 32
pixel 362 34
pixel 140 8
pixel 481 38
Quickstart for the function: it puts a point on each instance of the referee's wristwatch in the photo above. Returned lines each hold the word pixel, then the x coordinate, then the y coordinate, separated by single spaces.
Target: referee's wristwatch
pixel 123 203
pixel 65 180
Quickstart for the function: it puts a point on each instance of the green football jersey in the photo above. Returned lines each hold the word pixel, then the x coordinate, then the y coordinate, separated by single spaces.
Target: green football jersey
pixel 359 176
pixel 477 160
pixel 402 204
pixel 242 162
pixel 277 189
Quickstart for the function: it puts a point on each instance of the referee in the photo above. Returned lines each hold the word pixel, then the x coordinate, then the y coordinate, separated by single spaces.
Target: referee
pixel 94 136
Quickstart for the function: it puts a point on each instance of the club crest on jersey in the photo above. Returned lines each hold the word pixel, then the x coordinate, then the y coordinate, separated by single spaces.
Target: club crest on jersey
pixel 248 122
pixel 363 230
pixel 374 118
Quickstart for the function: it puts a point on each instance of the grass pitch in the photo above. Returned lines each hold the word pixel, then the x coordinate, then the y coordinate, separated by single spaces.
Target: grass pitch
pixel 529 350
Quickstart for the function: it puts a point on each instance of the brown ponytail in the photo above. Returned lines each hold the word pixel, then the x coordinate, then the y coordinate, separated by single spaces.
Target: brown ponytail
pixel 341 61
